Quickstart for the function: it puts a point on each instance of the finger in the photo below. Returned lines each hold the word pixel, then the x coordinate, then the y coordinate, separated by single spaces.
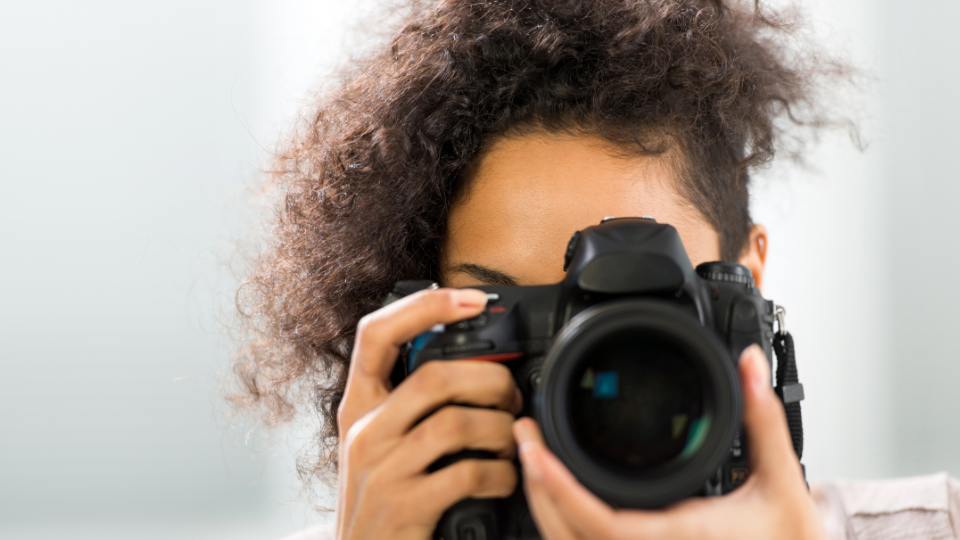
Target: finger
pixel 764 419
pixel 562 499
pixel 438 383
pixel 450 430
pixel 478 478
pixel 526 429
pixel 551 523
pixel 381 334
pixel 556 489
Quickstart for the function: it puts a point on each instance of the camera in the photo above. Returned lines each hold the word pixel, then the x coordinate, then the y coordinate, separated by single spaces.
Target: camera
pixel 628 364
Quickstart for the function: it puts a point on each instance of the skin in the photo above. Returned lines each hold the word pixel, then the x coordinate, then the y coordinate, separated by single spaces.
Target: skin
pixel 524 197
pixel 527 195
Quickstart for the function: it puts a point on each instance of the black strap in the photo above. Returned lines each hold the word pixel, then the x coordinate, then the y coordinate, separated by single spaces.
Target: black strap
pixel 789 388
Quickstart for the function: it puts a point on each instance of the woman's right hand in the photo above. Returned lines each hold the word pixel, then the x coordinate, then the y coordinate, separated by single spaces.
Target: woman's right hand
pixel 387 439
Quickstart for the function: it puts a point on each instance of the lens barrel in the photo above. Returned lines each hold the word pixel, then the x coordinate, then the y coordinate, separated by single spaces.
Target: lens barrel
pixel 639 401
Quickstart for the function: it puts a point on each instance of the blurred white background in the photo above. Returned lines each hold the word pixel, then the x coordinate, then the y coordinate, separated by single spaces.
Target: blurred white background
pixel 129 129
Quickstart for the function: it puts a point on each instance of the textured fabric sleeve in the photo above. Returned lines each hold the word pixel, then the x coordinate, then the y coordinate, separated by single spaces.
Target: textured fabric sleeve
pixel 831 510
pixel 954 494
pixel 921 507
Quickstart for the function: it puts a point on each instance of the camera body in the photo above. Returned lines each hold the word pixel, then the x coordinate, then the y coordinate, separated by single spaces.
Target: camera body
pixel 628 364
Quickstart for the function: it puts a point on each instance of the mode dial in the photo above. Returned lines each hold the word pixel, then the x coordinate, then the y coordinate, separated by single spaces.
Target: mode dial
pixel 727 272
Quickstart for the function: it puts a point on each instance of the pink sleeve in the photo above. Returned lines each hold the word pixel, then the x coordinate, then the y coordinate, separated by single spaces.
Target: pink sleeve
pixel 955 506
pixel 918 507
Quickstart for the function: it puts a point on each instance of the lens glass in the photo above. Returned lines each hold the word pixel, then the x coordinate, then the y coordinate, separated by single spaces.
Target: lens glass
pixel 636 401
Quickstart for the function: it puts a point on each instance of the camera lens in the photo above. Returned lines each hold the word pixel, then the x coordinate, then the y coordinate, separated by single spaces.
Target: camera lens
pixel 640 401
pixel 636 401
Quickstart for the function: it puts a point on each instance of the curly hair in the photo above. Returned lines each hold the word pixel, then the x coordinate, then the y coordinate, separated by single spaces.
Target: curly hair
pixel 365 184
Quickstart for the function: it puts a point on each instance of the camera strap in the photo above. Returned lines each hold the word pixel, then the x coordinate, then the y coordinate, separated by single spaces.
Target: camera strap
pixel 788 386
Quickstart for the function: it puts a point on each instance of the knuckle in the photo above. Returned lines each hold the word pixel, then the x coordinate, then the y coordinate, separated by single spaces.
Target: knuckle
pixel 420 434
pixel 357 443
pixel 355 448
pixel 509 479
pixel 501 382
pixel 491 423
pixel 504 422
pixel 453 422
pixel 445 426
pixel 471 475
pixel 436 298
pixel 367 326
pixel 499 478
pixel 424 299
pixel 504 380
pixel 431 376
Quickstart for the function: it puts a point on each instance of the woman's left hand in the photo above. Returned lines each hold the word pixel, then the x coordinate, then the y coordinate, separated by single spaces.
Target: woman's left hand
pixel 773 503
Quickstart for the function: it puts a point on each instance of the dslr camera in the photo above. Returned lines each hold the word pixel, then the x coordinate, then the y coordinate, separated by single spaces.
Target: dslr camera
pixel 629 365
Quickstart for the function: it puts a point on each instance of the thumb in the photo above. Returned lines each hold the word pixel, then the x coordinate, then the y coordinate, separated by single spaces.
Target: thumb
pixel 771 450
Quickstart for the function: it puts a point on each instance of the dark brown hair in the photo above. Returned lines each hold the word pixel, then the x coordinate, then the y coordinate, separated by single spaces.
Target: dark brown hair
pixel 365 184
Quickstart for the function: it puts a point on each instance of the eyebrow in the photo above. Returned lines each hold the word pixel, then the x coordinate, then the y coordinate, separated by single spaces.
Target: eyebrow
pixel 485 275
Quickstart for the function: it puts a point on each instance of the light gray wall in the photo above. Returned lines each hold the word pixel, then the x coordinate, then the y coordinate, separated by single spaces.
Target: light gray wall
pixel 863 247
pixel 823 261
pixel 922 228
pixel 128 130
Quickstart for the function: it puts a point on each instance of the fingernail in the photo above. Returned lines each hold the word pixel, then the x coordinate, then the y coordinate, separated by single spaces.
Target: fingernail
pixel 469 298
pixel 522 431
pixel 759 369
pixel 528 457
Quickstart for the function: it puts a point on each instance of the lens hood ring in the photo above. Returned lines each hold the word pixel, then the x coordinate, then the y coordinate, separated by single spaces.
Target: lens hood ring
pixel 660 485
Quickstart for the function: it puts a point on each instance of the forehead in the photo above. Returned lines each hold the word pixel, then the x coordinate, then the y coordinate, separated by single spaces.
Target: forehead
pixel 526 195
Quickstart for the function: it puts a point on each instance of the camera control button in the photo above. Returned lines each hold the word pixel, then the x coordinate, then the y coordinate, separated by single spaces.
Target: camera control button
pixel 469 347
pixel 535 379
pixel 479 321
pixel 739 475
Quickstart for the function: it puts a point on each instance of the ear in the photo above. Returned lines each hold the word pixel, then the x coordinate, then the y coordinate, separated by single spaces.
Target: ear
pixel 754 254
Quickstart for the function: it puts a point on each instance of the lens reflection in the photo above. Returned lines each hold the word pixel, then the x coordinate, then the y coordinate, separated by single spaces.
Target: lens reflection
pixel 637 402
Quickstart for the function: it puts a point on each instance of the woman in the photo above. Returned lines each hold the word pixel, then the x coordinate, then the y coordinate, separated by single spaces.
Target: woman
pixel 467 151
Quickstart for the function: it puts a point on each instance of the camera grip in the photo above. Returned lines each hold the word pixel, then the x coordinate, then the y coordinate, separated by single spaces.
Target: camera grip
pixel 469 519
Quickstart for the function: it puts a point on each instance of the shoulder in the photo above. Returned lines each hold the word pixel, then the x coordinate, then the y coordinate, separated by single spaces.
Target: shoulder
pixel 915 507
pixel 323 531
